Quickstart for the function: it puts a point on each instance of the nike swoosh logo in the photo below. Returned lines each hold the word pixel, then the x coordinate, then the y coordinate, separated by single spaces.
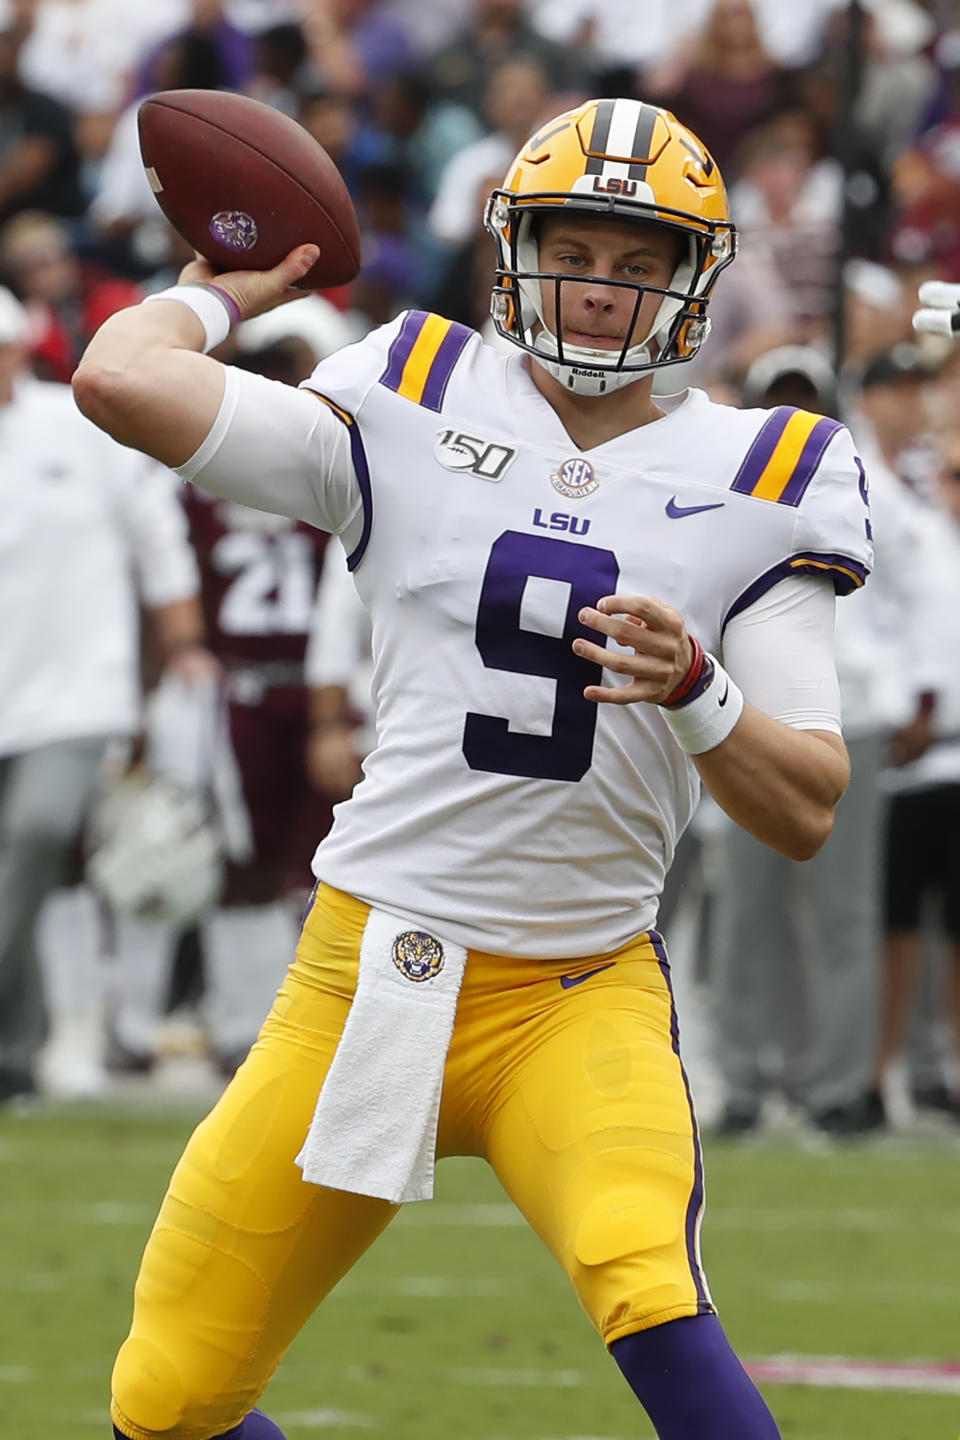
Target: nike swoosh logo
pixel 677 512
pixel 726 691
pixel 568 981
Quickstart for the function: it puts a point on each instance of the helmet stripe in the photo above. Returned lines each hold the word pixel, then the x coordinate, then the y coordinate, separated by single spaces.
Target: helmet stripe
pixel 622 129
pixel 599 136
pixel 643 138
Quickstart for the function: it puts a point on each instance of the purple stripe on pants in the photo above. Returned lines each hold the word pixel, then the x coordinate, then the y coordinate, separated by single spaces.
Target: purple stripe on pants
pixel 696 1195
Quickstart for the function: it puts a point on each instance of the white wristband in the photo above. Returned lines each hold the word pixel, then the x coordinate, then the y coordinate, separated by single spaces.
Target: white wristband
pixel 699 724
pixel 211 307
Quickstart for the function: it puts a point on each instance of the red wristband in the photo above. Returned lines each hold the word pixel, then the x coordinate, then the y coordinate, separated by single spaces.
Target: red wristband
pixel 692 676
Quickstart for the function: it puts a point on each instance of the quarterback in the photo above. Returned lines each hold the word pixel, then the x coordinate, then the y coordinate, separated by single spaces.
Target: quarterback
pixel 585 600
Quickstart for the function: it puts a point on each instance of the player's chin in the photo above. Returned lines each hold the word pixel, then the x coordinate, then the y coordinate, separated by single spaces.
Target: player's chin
pixel 593 342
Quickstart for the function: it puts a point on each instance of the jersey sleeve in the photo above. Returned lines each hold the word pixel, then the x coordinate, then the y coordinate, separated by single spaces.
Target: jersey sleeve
pixel 346 376
pixel 832 535
pixel 414 357
pixel 780 652
pixel 805 465
pixel 274 448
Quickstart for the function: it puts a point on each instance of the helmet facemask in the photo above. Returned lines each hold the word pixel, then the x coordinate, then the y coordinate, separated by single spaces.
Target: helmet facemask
pixel 679 326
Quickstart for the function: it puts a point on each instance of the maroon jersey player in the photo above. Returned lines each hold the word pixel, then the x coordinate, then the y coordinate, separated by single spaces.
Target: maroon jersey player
pixel 259 577
pixel 259 581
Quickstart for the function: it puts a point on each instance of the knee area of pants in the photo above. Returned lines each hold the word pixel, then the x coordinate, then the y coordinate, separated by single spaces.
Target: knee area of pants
pixel 147 1390
pixel 613 1227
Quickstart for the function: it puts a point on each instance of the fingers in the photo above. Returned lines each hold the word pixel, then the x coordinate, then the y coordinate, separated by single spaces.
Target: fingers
pixel 197 271
pixel 616 694
pixel 254 291
pixel 643 607
pixel 637 621
pixel 940 312
pixel 655 653
pixel 620 664
pixel 296 264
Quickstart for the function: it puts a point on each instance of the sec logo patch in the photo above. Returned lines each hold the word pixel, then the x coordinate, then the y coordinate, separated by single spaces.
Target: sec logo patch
pixel 575 478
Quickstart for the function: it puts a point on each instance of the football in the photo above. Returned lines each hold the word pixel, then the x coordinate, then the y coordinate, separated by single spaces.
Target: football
pixel 244 184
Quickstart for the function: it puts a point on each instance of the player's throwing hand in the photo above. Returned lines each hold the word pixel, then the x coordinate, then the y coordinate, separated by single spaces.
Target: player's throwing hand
pixel 940 312
pixel 255 291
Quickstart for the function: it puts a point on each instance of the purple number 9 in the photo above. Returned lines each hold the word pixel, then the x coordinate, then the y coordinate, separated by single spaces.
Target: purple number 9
pixel 488 743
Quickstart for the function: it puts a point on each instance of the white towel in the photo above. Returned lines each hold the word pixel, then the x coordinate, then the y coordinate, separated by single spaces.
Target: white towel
pixel 374 1131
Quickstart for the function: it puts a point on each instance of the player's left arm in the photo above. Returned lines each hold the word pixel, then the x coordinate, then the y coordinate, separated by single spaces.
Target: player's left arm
pixel 780 783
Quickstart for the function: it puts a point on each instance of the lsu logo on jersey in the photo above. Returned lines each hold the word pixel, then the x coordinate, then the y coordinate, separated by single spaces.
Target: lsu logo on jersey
pixel 470 453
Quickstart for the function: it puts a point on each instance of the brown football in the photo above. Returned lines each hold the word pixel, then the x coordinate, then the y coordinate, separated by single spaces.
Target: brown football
pixel 245 184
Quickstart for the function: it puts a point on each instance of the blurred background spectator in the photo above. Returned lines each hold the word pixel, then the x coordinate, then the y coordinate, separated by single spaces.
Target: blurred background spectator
pixel 797 975
pixel 67 299
pixel 39 164
pixel 91 532
pixel 516 100
pixel 495 32
pixel 725 83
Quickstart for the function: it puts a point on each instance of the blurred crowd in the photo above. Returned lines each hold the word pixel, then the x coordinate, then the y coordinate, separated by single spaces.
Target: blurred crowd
pixel 837 127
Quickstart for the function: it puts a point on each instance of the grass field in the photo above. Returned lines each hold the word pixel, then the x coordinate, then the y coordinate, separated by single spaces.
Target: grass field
pixel 458 1323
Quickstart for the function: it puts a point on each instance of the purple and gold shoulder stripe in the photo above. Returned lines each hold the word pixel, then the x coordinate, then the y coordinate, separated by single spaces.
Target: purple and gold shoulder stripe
pixel 338 410
pixel 423 356
pixel 846 573
pixel 784 456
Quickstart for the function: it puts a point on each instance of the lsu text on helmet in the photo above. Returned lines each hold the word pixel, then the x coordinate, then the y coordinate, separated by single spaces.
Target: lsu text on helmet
pixel 619 160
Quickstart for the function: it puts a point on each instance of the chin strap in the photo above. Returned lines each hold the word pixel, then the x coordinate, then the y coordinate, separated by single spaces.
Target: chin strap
pixel 579 370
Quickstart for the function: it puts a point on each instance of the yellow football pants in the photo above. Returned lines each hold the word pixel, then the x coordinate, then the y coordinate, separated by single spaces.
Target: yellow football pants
pixel 574 1094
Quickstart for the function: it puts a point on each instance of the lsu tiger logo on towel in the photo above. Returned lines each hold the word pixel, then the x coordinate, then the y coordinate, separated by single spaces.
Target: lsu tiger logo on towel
pixel 417 955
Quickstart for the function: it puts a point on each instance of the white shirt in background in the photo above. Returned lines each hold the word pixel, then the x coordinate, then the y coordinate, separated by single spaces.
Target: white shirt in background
pixel 455 215
pixel 88 529
pixel 645 32
pixel 888 653
pixel 83 52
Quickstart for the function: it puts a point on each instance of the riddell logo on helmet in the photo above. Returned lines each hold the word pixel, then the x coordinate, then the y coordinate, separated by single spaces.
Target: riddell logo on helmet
pixel 615 186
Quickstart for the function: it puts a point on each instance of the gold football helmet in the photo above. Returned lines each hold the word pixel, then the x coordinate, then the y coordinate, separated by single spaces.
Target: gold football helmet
pixel 622 160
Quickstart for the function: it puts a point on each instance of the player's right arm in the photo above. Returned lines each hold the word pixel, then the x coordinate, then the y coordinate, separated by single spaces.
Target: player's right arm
pixel 144 379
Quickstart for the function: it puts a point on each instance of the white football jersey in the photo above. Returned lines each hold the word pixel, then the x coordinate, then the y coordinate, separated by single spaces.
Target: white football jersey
pixel 500 807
